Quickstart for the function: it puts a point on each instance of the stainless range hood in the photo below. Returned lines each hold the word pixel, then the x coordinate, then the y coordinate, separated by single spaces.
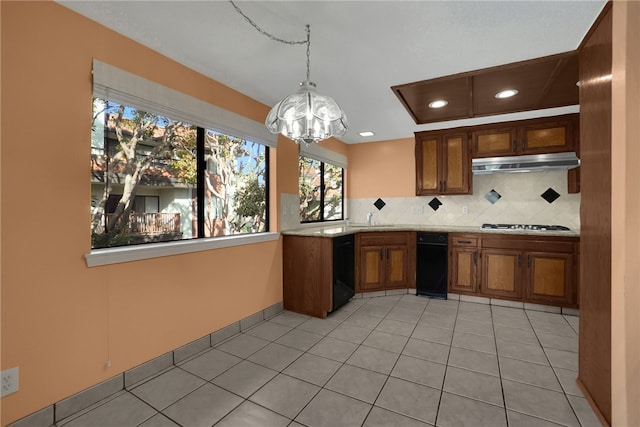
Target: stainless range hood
pixel 528 163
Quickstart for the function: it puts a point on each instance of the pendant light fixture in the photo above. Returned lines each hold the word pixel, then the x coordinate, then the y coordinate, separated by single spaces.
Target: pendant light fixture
pixel 306 116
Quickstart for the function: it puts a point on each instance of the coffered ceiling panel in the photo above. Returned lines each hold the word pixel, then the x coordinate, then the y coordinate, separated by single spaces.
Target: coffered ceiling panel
pixel 541 83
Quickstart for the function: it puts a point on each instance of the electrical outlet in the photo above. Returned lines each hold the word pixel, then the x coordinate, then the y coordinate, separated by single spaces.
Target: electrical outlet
pixel 417 210
pixel 10 381
pixel 465 210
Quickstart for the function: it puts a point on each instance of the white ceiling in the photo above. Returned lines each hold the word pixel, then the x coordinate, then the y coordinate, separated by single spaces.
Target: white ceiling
pixel 359 49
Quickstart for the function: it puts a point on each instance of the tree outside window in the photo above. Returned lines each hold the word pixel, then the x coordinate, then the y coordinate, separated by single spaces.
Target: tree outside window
pixel 321 190
pixel 137 154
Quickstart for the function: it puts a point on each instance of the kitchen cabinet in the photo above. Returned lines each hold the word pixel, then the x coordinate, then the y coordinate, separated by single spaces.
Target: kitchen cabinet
pixel 535 136
pixel 501 273
pixel 317 273
pixel 463 263
pixel 529 268
pixel 385 260
pixel 443 164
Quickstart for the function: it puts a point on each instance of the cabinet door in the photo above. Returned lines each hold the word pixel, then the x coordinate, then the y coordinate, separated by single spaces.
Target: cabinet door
pixel 456 168
pixel 396 266
pixel 428 179
pixel 550 277
pixel 463 270
pixel 372 276
pixel 495 142
pixel 502 273
pixel 550 137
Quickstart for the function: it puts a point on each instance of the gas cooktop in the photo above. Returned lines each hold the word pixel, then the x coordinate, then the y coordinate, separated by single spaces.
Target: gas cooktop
pixel 528 227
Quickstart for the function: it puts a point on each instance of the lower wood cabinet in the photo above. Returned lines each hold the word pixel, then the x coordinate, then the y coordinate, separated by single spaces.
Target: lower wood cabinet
pixel 385 260
pixel 307 274
pixel 501 273
pixel 536 269
pixel 551 277
pixel 463 263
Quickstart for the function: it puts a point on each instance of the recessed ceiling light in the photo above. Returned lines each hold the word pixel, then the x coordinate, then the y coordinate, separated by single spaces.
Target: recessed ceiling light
pixel 506 93
pixel 366 133
pixel 439 103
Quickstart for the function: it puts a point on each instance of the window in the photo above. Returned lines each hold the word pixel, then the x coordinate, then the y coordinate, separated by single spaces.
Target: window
pixel 156 178
pixel 321 190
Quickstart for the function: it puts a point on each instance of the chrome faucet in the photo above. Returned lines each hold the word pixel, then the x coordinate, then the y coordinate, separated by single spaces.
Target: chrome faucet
pixel 369 219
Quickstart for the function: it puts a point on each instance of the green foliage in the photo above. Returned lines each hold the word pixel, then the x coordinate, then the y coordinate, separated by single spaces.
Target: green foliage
pixel 250 200
pixel 311 184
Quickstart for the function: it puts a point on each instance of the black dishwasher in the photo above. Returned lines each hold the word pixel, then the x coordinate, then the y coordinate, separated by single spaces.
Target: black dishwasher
pixel 432 264
pixel 343 275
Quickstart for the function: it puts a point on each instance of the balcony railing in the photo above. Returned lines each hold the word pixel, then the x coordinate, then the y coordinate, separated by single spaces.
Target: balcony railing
pixel 147 223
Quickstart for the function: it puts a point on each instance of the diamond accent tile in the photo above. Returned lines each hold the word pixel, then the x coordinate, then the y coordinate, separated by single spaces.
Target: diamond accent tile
pixel 550 195
pixel 379 204
pixel 435 203
pixel 493 196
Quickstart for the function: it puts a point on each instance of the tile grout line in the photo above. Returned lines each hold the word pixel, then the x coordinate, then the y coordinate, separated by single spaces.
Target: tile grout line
pixel 495 341
pixel 446 368
pixel 396 362
pixel 552 367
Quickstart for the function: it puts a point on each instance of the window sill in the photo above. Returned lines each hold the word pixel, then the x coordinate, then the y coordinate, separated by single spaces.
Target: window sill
pixel 98 257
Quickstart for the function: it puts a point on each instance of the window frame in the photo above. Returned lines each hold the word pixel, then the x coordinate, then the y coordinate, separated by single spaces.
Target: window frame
pixel 116 85
pixel 322 191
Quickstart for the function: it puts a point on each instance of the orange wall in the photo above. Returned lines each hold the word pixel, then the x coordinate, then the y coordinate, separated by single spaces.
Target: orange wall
pixel 382 169
pixel 625 253
pixel 62 321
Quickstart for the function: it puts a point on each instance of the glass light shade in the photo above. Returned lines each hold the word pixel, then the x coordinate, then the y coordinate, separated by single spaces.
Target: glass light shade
pixel 307 117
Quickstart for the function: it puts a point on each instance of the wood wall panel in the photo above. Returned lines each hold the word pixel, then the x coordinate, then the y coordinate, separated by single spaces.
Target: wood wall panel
pixel 595 213
pixel 307 275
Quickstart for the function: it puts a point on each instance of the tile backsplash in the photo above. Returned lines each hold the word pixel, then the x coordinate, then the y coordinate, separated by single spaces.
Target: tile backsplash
pixel 520 201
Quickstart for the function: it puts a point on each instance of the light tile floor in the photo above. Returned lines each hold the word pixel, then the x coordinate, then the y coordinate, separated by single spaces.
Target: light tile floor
pixel 395 360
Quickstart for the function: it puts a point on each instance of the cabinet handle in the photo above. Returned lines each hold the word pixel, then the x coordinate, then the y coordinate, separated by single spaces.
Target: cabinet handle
pixel 523 144
pixel 475 257
pixel 441 186
pixel 519 260
pixel 529 261
pixel 514 145
pixel 468 242
pixel 381 254
pixel 444 186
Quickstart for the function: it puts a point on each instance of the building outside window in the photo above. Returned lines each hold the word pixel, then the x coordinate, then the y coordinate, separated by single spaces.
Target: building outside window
pixel 156 178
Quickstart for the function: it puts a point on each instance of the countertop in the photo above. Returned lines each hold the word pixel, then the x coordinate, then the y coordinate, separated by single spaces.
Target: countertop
pixel 340 229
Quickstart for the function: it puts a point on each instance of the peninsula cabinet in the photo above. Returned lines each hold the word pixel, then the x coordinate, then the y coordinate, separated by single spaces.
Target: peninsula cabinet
pixel 535 136
pixel 443 164
pixel 307 275
pixel 385 260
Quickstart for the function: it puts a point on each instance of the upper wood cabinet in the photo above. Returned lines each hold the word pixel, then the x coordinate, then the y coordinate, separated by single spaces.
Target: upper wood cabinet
pixel 443 164
pixel 536 136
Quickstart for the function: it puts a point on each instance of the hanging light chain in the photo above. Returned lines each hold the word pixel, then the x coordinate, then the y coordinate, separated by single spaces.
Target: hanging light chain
pixel 308 53
pixel 274 38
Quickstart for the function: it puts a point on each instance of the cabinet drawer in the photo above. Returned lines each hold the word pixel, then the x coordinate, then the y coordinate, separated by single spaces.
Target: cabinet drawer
pixel 539 245
pixel 463 241
pixel 383 238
